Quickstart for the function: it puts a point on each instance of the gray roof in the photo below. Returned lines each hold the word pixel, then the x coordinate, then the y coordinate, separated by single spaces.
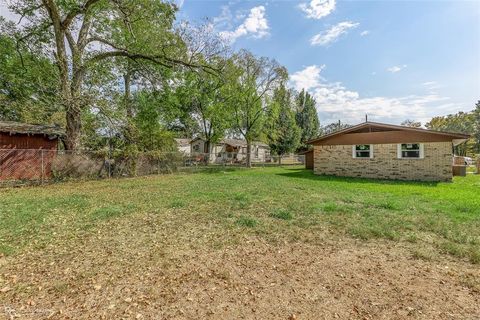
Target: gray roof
pixel 12 127
pixel 234 142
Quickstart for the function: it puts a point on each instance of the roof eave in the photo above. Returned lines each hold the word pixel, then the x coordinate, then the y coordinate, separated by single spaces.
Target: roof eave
pixel 453 135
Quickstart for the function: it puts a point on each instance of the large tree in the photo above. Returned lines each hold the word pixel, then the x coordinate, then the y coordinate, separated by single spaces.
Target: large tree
pixel 82 34
pixel 306 116
pixel 252 81
pixel 461 122
pixel 282 130
pixel 28 84
pixel 204 96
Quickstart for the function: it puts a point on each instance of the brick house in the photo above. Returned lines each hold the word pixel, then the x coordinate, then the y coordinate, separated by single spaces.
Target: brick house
pixel 384 151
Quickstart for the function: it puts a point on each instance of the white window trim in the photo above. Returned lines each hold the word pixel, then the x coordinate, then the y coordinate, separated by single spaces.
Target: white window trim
pixel 399 151
pixel 354 153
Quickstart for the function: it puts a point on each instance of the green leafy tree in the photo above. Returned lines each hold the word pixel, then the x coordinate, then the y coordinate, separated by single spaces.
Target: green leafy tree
pixel 306 117
pixel 84 34
pixel 205 98
pixel 251 81
pixel 282 130
pixel 28 84
pixel 461 122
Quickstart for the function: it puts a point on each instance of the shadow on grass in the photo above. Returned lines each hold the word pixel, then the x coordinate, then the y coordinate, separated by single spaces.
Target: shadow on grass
pixel 308 174
pixel 212 169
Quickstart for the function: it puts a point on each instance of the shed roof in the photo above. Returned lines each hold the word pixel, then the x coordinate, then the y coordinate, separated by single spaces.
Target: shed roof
pixel 382 128
pixel 12 127
pixel 234 142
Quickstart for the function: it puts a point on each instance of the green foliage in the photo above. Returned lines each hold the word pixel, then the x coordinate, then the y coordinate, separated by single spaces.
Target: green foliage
pixel 28 90
pixel 151 133
pixel 306 116
pixel 282 130
pixel 250 81
pixel 461 122
pixel 205 99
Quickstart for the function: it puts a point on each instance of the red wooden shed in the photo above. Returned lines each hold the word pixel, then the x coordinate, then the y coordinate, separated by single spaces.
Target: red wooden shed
pixel 27 150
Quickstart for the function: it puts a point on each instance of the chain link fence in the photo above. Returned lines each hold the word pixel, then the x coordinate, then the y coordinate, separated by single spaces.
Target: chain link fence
pixel 26 166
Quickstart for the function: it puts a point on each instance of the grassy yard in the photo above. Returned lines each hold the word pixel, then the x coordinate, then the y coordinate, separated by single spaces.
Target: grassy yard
pixel 266 243
pixel 277 204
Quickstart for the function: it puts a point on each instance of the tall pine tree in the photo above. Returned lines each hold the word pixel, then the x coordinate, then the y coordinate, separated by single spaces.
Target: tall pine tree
pixel 282 130
pixel 306 117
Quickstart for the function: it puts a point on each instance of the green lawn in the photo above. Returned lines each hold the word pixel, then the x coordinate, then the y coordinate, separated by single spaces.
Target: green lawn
pixel 279 204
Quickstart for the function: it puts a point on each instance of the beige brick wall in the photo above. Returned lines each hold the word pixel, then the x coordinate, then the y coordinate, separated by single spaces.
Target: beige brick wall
pixel 337 160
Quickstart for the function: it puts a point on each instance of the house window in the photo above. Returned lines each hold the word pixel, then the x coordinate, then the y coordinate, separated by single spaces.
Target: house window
pixel 362 151
pixel 410 151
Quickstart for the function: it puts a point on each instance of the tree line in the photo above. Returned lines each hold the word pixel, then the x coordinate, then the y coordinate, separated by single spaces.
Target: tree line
pixel 127 75
pixel 461 122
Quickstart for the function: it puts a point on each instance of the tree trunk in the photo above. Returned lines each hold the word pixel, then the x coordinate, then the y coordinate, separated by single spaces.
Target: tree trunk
pixel 207 150
pixel 249 155
pixel 74 127
pixel 279 159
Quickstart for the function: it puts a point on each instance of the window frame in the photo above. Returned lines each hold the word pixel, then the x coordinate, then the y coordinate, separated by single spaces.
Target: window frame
pixel 354 151
pixel 421 153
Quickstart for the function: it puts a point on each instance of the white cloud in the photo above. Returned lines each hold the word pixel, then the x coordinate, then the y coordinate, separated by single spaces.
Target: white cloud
pixel 317 9
pixel 331 35
pixel 431 85
pixel 335 102
pixel 395 69
pixel 307 78
pixel 7 14
pixel 255 25
pixel 364 33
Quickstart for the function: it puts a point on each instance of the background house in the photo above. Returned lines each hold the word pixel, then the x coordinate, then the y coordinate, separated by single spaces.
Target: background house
pixel 183 145
pixel 26 150
pixel 377 150
pixel 231 150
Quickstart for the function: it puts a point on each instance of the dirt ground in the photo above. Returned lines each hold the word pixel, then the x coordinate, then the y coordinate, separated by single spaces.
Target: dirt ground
pixel 143 271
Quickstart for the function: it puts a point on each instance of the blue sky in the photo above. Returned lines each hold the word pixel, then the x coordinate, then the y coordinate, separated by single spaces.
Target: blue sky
pixel 390 59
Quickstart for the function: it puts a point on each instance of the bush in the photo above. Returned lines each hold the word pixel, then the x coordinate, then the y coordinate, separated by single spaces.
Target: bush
pixel 74 166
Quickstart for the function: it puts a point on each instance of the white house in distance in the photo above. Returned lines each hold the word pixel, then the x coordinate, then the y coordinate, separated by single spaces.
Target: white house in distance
pixel 183 146
pixel 231 150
